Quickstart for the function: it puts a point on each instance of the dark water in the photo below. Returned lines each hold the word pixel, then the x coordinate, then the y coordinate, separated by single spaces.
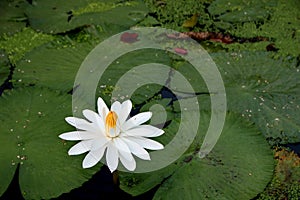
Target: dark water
pixel 100 186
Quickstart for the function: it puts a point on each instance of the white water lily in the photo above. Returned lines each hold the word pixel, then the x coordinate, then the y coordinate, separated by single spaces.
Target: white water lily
pixel 110 130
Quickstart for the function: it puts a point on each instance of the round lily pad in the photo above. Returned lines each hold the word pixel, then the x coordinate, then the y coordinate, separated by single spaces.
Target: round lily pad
pixel 50 66
pixel 239 167
pixel 265 91
pixel 31 120
pixel 12 17
pixel 52 16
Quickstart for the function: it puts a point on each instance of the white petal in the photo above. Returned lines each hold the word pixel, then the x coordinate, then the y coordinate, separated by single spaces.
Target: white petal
pixel 116 107
pixel 112 157
pixel 80 124
pixel 125 111
pixel 136 120
pixel 102 108
pixel 95 118
pixel 78 135
pixel 123 149
pixel 93 157
pixel 144 131
pixel 146 143
pixel 136 149
pixel 80 147
pixel 99 142
pixel 128 164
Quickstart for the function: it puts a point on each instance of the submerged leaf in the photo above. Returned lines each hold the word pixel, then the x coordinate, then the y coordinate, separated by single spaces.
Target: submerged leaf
pixel 22 42
pixel 190 23
pixel 4 67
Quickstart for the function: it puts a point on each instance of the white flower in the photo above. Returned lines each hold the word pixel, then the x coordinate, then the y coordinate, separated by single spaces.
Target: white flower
pixel 111 131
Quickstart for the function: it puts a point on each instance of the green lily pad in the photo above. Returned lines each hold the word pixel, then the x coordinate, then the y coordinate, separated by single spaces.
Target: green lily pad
pixel 126 64
pixel 12 16
pixel 241 11
pixel 239 167
pixel 51 67
pixel 52 16
pixel 265 91
pixel 31 120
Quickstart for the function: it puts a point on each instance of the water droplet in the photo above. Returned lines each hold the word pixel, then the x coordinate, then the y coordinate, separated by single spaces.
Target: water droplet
pixel 20 80
pixel 11 129
pixel 276 119
pixel 261 98
pixel 23 157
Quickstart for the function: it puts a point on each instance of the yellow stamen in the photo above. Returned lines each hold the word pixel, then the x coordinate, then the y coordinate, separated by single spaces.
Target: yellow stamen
pixel 110 122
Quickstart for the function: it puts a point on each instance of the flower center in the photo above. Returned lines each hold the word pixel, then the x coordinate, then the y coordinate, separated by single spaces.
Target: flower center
pixel 111 124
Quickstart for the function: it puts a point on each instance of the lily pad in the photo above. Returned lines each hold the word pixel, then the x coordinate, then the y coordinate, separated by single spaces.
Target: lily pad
pixel 241 11
pixel 265 91
pixel 51 66
pixel 12 16
pixel 51 16
pixel 125 66
pixel 239 167
pixel 31 120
